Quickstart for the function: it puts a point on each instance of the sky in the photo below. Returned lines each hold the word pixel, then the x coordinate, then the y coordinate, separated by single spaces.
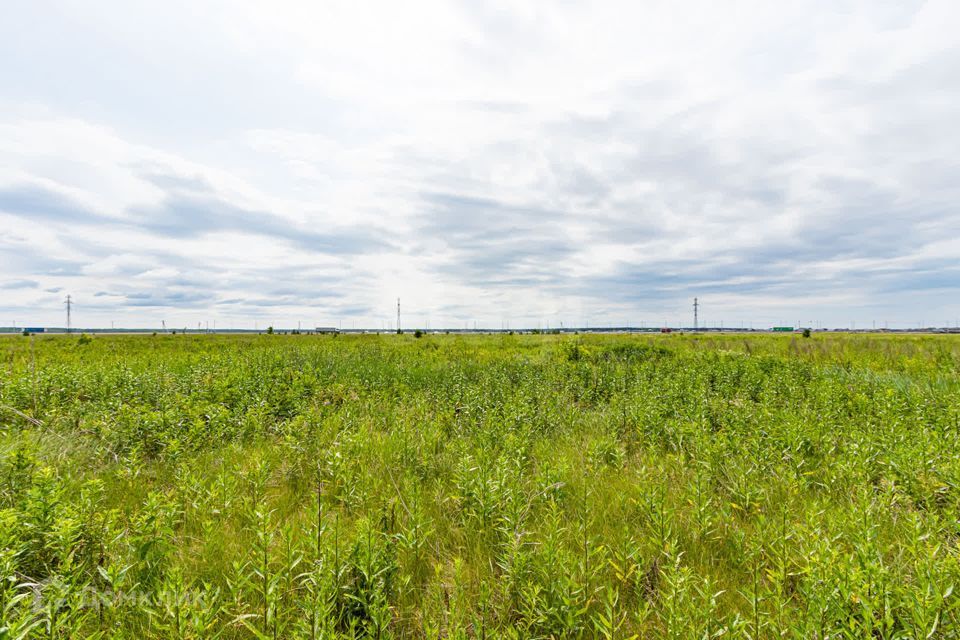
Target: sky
pixel 247 163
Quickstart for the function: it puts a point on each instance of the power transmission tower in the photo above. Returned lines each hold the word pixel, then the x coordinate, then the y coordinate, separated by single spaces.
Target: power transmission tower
pixel 696 306
pixel 398 316
pixel 69 303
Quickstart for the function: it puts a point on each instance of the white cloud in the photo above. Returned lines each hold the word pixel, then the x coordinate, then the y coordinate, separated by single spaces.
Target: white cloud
pixel 529 162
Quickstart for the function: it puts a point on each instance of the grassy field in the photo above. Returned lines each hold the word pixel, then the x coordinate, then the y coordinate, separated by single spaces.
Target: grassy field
pixel 479 487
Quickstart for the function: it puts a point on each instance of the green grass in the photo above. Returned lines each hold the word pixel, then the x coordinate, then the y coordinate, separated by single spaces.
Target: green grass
pixel 479 487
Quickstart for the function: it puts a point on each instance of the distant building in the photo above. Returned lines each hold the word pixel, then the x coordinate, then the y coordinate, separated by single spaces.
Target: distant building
pixel 327 330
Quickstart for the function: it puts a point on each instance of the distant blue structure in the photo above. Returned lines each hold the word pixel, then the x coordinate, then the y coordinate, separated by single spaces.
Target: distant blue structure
pixel 34 329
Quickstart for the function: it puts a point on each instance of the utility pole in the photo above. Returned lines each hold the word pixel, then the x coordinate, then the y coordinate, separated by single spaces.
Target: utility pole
pixel 69 303
pixel 398 315
pixel 696 306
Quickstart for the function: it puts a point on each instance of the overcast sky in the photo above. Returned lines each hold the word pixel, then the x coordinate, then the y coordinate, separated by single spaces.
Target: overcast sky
pixel 525 163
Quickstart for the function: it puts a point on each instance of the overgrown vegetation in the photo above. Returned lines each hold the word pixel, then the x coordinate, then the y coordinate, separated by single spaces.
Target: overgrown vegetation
pixel 479 487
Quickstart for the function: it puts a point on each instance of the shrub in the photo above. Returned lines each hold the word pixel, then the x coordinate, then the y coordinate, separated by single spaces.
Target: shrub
pixel 418 334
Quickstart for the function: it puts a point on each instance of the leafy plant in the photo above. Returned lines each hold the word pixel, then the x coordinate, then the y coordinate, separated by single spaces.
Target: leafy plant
pixel 529 486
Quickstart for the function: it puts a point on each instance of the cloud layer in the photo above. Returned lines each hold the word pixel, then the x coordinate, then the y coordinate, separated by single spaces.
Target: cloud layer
pixel 499 163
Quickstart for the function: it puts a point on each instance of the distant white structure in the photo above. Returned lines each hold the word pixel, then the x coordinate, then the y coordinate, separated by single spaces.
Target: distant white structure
pixel 327 330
